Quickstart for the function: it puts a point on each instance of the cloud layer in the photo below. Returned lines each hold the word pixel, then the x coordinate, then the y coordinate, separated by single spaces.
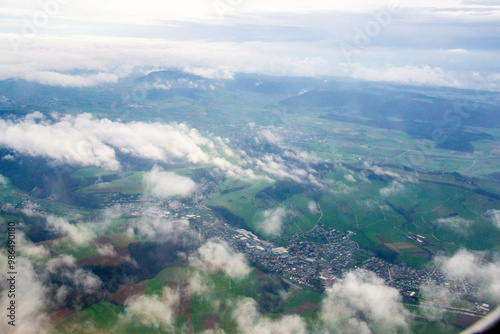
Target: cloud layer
pixel 31 318
pixel 37 294
pixel 86 141
pixel 370 40
pixel 474 267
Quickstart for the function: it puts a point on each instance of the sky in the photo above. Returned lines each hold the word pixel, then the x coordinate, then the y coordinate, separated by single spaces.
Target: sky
pixel 82 43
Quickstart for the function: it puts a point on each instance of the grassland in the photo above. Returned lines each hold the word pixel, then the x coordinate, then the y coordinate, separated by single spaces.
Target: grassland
pixel 221 298
pixel 296 299
pixel 90 172
pixel 155 285
pixel 128 184
pixel 434 184
pixel 372 210
pixel 78 252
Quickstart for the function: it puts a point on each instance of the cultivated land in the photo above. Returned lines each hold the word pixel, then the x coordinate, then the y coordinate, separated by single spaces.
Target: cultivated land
pixel 390 195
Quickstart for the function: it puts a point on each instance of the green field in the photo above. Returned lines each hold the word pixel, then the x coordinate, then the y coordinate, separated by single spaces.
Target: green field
pixel 382 175
pixel 175 274
pixel 128 184
pixel 361 207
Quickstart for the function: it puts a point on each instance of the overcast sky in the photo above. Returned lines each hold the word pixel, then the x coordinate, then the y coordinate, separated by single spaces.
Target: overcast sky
pixel 440 43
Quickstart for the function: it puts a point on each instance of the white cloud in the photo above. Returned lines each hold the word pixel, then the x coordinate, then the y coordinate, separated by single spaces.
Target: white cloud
pixel 34 299
pixel 87 141
pixel 301 156
pixel 113 58
pixel 156 141
pixel 68 80
pixel 361 303
pixel 80 234
pixel 277 167
pixel 111 213
pixel 458 224
pixel 65 268
pixel 27 248
pixel 272 222
pixel 409 75
pixel 473 266
pixel 271 135
pixel 396 184
pixel 394 188
pixel 312 206
pixel 167 184
pixel 494 216
pixel 249 320
pixel 86 281
pixel 51 59
pixel 154 311
pixel 60 261
pixel 82 36
pixel 340 188
pixel 156 12
pixel 65 141
pixel 349 178
pixel 106 250
pixel 457 51
pixel 438 295
pixel 31 299
pixel 161 229
pixel 197 283
pixel 218 256
pixel 393 175
pixel 31 209
pixel 221 72
pixel 3 180
pixel 236 171
pixel 151 12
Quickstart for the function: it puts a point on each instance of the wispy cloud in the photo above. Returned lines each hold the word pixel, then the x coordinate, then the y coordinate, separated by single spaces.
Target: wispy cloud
pixel 457 224
pixel 159 229
pixel 393 188
pixel 410 75
pixel 32 317
pixel 80 234
pixel 494 216
pixel 29 249
pixel 56 60
pixel 70 80
pixel 475 267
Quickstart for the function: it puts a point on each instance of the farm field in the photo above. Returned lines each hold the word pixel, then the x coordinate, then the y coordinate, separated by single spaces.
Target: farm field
pixel 300 188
